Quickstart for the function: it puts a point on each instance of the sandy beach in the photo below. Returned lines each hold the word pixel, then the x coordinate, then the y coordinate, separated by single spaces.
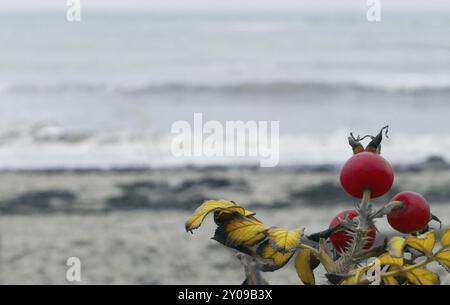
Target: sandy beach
pixel 127 226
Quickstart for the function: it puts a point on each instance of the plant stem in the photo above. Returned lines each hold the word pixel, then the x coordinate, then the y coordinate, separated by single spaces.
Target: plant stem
pixel 364 210
pixel 252 274
pixel 355 251
pixel 406 269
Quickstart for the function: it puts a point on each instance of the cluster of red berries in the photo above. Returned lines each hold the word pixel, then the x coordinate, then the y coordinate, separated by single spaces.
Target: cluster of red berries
pixel 367 170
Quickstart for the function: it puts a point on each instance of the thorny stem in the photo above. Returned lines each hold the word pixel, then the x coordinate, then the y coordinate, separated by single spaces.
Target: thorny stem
pixel 366 219
pixel 364 209
pixel 354 253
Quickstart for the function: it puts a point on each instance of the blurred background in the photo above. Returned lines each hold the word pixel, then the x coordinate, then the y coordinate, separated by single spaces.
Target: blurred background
pixel 86 110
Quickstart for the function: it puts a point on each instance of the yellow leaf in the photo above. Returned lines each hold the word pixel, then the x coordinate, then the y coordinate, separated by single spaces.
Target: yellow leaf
pixel 423 243
pixel 325 257
pixel 422 276
pixel 223 215
pixel 271 258
pixel 209 206
pixel 445 238
pixel 444 258
pixel 233 210
pixel 240 230
pixel 304 268
pixel 285 240
pixel 390 280
pixel 387 259
pixel 396 246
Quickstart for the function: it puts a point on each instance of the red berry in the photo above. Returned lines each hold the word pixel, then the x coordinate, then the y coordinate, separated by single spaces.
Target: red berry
pixel 340 239
pixel 413 216
pixel 367 170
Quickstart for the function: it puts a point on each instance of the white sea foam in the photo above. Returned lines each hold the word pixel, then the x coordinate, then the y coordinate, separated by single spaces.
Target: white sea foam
pixel 50 146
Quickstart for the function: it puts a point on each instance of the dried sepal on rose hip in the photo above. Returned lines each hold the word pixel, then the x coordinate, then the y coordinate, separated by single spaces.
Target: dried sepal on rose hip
pixel 367 170
pixel 374 145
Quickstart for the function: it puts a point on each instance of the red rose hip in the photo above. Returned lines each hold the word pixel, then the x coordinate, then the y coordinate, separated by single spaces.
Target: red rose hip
pixel 413 216
pixel 340 239
pixel 367 170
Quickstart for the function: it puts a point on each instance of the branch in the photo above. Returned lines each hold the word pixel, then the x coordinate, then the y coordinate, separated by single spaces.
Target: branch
pixel 386 209
pixel 252 274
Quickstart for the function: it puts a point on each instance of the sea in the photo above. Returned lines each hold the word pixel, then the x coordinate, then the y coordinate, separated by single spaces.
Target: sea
pixel 105 91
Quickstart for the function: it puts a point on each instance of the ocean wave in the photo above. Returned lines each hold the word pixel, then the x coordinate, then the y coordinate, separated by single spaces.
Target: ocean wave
pixel 46 146
pixel 242 87
pixel 286 87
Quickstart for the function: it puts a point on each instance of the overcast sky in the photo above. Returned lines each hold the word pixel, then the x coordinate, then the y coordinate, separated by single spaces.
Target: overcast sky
pixel 163 4
pixel 195 5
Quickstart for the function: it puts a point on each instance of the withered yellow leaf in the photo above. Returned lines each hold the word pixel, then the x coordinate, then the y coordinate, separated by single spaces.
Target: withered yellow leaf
pixel 443 258
pixel 445 238
pixel 390 280
pixel 285 240
pixel 272 259
pixel 422 276
pixel 423 243
pixel 387 259
pixel 221 215
pixel 304 268
pixel 396 246
pixel 240 230
pixel 209 206
pixel 234 210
